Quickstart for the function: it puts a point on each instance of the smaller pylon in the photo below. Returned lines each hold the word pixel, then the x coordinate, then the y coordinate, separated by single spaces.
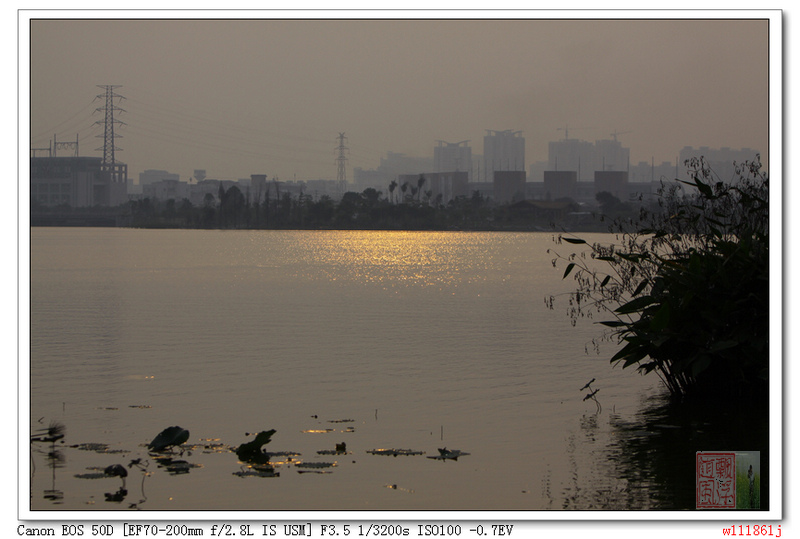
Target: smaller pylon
pixel 341 160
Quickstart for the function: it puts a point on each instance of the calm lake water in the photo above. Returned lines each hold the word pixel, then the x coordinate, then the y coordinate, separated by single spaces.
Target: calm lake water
pixel 413 341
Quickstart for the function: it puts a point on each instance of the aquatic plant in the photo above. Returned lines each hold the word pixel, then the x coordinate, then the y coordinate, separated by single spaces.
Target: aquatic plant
pixel 251 451
pixel 53 433
pixel 688 288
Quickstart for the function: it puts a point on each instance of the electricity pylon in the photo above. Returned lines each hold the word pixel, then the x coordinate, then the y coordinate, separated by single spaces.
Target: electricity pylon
pixel 341 161
pixel 108 123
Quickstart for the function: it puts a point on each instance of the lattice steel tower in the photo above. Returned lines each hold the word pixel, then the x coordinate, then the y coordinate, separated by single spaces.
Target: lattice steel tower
pixel 341 161
pixel 108 124
pixel 116 173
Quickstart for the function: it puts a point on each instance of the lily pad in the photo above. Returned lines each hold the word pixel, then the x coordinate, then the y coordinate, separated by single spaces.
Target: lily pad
pixel 257 472
pixel 395 452
pixel 315 465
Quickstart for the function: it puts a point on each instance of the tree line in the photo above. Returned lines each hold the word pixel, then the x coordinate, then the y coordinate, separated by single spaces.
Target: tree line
pixel 405 206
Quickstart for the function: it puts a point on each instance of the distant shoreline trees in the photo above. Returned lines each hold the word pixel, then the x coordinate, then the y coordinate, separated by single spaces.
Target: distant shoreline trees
pixel 406 207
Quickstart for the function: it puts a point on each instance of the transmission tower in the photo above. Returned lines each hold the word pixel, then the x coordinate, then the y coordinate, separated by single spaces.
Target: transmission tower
pixel 341 161
pixel 117 173
pixel 108 124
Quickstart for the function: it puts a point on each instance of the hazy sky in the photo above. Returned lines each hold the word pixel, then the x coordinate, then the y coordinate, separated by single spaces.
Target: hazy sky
pixel 241 97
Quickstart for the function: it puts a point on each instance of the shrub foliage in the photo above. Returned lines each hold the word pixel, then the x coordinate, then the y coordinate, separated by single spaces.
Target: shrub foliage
pixel 687 288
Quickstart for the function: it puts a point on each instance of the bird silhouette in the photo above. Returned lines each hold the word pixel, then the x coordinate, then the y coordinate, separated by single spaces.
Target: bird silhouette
pixel 117 470
pixel 168 438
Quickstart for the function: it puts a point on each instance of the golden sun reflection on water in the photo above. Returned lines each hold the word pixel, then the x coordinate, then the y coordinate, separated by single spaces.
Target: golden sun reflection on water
pixel 400 258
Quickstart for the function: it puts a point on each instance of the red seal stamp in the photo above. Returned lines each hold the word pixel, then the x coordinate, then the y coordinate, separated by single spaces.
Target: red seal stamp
pixel 716 480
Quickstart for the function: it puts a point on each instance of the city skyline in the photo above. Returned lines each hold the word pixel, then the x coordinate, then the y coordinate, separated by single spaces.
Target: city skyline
pixel 259 96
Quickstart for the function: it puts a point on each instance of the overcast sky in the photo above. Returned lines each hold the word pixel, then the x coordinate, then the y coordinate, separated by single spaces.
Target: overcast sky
pixel 241 97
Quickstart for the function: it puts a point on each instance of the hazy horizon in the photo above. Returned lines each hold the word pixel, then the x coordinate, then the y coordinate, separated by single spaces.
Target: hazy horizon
pixel 267 96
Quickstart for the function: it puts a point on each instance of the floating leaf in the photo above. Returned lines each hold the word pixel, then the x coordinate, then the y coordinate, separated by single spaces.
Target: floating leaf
pixel 395 452
pixel 577 241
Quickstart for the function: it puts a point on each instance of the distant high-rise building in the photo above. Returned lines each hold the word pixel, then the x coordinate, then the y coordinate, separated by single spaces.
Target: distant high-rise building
pixel 444 186
pixel 452 156
pixel 652 172
pixel 586 158
pixel 611 155
pixel 503 150
pixel 391 166
pixel 572 154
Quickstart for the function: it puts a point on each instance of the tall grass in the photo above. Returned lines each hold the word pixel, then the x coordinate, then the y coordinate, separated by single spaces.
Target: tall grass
pixel 743 500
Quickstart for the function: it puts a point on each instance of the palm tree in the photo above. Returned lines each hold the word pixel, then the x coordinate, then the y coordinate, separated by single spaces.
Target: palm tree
pixel 392 187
